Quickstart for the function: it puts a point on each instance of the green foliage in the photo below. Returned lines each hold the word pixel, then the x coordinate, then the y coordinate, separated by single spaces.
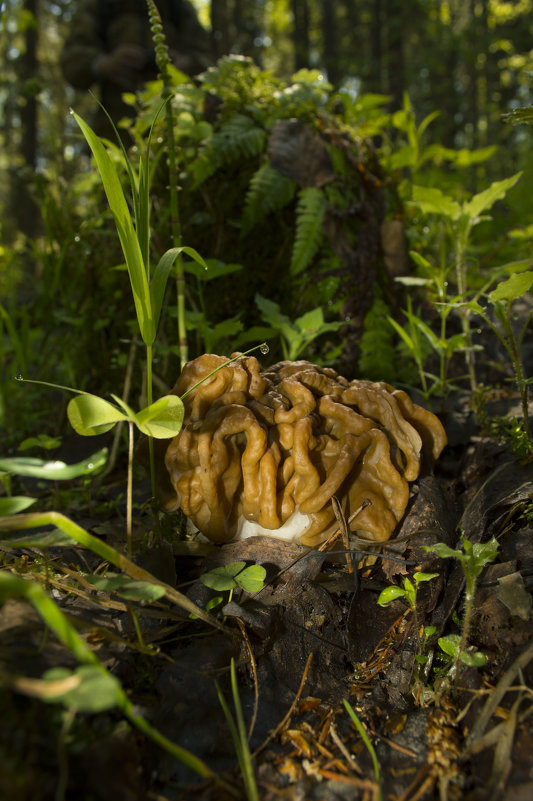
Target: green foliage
pixel 297 335
pixel 473 558
pixel 53 470
pixel 368 745
pixel 125 587
pixel 501 298
pixel 90 415
pixel 239 137
pixel 235 574
pixel 309 218
pixel 520 115
pixel 377 353
pixel 268 192
pixel 451 645
pixel 408 591
pixel 239 735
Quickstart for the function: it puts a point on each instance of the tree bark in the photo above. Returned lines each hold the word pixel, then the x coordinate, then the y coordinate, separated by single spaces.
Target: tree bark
pixel 24 208
pixel 330 43
pixel 300 33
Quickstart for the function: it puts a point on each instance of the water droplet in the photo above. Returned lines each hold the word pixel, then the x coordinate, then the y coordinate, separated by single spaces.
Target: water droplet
pixel 18 377
pixel 90 466
pixel 77 238
pixel 71 111
pixel 264 348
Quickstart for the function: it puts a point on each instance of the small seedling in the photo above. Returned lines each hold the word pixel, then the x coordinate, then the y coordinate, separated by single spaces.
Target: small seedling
pixel 409 592
pixel 473 558
pixel 228 577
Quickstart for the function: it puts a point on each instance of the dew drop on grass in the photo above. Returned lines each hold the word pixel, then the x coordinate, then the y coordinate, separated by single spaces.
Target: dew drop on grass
pixel 264 348
pixel 77 238
pixel 19 377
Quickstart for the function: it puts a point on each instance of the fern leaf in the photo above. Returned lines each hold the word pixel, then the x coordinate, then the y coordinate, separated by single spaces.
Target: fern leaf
pixel 377 359
pixel 309 218
pixel 269 191
pixel 239 137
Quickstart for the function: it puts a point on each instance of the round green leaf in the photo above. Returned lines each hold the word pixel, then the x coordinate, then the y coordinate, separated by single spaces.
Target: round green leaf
pixel 90 415
pixel 390 594
pixel 476 659
pixel 162 419
pixel 223 578
pixel 450 644
pixel 251 579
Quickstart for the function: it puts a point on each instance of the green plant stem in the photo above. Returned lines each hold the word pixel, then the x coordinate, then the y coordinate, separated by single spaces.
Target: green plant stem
pixel 469 607
pixel 370 748
pixel 460 270
pixel 129 492
pixel 149 393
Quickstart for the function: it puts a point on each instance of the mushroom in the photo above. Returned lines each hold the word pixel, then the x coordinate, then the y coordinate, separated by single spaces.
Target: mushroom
pixel 265 452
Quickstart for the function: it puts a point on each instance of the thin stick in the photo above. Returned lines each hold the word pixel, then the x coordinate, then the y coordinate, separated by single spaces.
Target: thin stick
pixel 292 707
pixel 254 674
pixel 341 520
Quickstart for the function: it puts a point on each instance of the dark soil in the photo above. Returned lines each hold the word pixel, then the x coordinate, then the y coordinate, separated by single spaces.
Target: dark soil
pixel 312 637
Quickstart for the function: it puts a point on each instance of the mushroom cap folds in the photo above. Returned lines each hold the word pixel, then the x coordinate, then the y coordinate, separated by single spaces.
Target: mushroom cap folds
pixel 264 452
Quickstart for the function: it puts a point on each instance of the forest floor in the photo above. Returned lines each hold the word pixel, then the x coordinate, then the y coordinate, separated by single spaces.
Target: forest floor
pixel 313 637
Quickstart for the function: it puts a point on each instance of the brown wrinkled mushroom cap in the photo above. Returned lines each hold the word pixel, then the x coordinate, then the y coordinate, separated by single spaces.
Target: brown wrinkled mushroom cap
pixel 264 452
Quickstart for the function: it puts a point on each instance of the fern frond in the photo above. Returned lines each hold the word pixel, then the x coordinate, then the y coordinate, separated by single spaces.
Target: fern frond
pixel 309 218
pixel 378 356
pixel 268 191
pixel 239 137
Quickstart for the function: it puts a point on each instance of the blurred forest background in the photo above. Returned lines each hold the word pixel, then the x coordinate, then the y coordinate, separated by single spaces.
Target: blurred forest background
pixel 379 72
pixel 471 60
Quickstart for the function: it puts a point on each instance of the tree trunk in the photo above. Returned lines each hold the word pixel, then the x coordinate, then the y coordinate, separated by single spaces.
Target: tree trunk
pixel 375 79
pixel 396 32
pixel 24 208
pixel 300 33
pixel 220 27
pixel 330 43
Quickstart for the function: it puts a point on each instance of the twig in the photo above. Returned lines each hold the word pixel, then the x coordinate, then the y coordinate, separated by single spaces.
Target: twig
pixel 254 674
pixel 292 707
